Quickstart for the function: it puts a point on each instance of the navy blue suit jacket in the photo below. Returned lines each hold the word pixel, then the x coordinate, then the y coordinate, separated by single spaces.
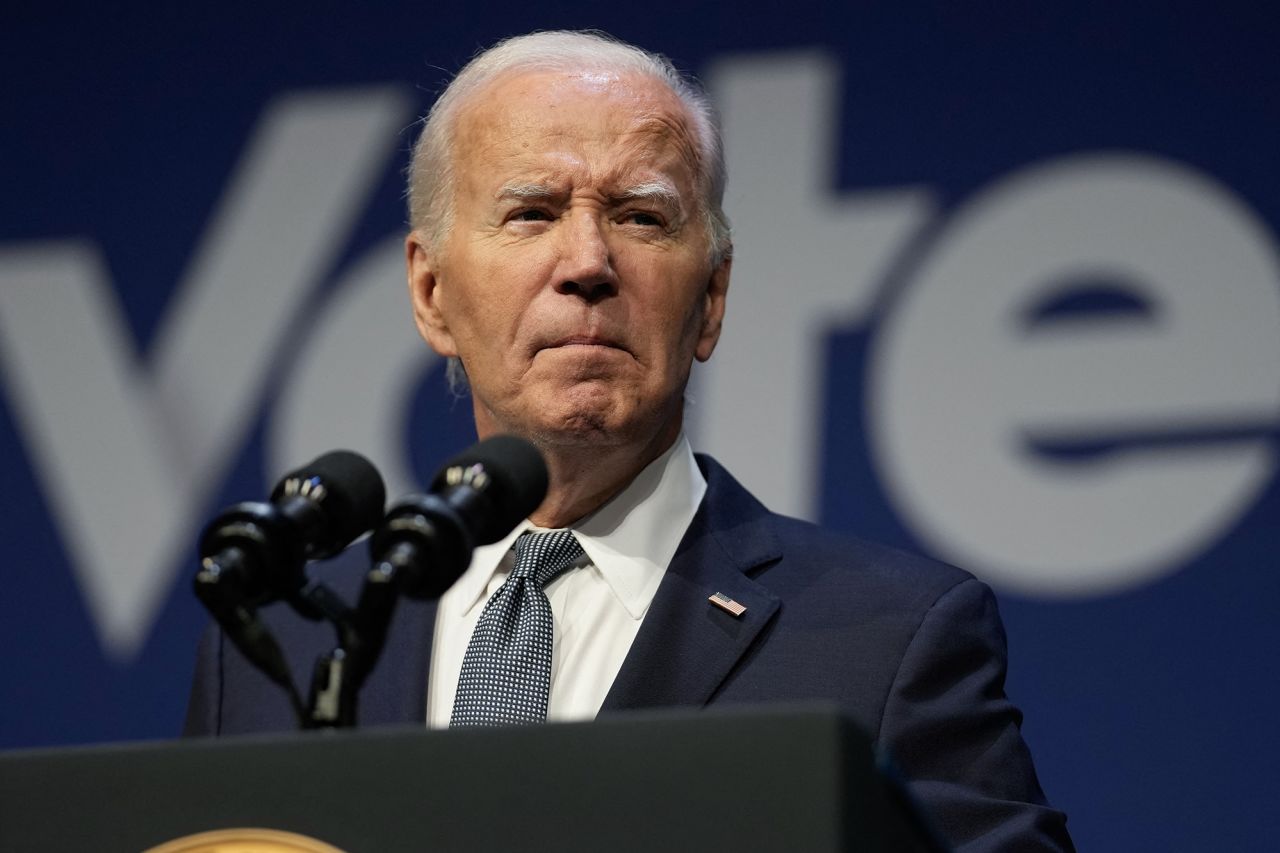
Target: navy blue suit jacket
pixel 912 650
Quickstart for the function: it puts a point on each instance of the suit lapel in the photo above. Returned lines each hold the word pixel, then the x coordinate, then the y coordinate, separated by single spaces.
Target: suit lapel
pixel 687 646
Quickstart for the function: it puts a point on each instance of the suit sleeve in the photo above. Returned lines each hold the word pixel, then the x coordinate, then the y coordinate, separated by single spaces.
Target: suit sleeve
pixel 204 705
pixel 955 735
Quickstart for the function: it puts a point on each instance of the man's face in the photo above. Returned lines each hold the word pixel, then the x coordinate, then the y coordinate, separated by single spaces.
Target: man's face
pixel 575 282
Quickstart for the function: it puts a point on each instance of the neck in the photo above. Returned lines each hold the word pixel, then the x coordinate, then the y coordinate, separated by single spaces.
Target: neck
pixel 584 479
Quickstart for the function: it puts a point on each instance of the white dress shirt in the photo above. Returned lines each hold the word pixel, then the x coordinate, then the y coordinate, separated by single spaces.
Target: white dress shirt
pixel 597 606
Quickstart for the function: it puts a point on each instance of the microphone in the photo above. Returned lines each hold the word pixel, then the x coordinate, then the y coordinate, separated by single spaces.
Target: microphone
pixel 315 512
pixel 420 549
pixel 254 553
pixel 425 541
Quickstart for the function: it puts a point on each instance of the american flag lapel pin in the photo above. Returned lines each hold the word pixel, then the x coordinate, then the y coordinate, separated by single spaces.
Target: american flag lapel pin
pixel 727 604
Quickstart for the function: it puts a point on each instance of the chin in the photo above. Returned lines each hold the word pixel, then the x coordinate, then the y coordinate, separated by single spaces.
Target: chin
pixel 584 414
pixel 583 427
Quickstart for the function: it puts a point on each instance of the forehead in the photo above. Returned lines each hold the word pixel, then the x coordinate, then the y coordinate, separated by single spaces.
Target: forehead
pixel 599 124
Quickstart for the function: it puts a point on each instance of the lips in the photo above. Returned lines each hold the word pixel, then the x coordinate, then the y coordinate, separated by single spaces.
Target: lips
pixel 585 340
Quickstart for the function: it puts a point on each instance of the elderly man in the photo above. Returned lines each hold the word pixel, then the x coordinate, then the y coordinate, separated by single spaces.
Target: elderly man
pixel 570 256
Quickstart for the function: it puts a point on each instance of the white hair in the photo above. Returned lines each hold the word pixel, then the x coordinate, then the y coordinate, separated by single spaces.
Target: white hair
pixel 431 169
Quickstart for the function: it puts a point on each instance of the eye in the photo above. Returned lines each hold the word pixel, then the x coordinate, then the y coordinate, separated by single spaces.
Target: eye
pixel 531 215
pixel 641 217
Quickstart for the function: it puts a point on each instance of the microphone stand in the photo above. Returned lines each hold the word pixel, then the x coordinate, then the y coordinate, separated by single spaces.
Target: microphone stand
pixel 332 701
pixel 362 635
pixel 338 676
pixel 223 595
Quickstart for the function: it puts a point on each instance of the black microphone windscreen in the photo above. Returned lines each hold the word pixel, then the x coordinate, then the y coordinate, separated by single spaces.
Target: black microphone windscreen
pixel 519 481
pixel 353 496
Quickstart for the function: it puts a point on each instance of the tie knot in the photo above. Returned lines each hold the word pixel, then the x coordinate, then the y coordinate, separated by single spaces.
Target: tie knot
pixel 540 557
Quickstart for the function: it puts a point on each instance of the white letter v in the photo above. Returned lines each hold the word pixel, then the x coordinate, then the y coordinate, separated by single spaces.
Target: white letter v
pixel 129 452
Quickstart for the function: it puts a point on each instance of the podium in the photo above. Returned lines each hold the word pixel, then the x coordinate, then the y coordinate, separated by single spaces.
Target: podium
pixel 795 780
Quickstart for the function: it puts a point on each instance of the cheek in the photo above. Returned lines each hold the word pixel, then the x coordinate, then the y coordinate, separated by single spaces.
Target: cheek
pixel 671 329
pixel 683 307
pixel 484 300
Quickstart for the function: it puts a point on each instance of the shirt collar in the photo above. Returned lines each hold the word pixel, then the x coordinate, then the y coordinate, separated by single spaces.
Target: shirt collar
pixel 630 540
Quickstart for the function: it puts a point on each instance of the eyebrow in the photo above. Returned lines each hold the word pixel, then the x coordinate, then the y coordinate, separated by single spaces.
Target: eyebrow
pixel 525 191
pixel 657 192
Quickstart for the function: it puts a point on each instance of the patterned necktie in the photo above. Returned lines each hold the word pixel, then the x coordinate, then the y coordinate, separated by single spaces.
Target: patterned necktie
pixel 506 671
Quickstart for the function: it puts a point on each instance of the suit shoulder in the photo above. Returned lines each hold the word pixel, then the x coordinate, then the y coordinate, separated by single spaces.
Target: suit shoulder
pixel 822 554
pixel 795 553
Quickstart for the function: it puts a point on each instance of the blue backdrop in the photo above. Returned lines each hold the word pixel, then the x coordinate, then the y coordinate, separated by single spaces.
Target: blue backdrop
pixel 1007 275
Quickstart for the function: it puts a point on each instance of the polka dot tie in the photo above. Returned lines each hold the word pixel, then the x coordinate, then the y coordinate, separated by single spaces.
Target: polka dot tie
pixel 506 671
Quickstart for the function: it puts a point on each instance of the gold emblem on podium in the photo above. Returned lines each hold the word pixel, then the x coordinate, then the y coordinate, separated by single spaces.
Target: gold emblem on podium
pixel 245 841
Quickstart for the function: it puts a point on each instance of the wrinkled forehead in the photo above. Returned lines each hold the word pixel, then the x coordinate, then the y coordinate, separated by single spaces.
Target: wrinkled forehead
pixel 524 117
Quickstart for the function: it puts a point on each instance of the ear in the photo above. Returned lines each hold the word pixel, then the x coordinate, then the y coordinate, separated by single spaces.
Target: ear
pixel 713 309
pixel 425 294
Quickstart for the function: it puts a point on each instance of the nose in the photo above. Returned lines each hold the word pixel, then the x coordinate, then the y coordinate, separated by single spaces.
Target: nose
pixel 586 269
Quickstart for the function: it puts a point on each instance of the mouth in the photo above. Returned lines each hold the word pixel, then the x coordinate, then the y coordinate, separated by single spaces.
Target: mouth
pixel 585 341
